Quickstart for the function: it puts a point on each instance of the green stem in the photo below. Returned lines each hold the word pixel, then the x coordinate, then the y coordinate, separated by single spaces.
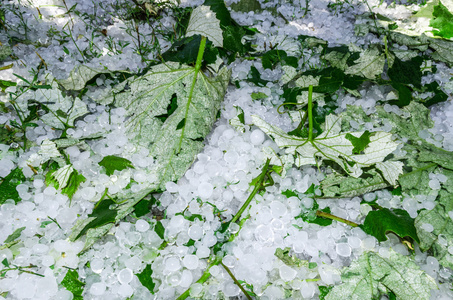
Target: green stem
pixel 236 282
pixel 257 187
pixel 310 113
pixel 218 259
pixel 194 81
pixel 202 279
pixel 332 217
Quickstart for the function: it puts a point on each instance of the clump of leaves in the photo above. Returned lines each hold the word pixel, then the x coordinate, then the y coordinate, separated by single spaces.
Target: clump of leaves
pixel 169 110
pixel 338 147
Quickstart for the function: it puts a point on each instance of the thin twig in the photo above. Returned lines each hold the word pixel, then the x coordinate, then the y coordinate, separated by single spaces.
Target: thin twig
pixel 236 281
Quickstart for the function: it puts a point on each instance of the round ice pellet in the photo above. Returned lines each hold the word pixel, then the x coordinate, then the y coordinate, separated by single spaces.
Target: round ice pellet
pixel 343 249
pixel 195 289
pixel 190 261
pixel 203 252
pixel 434 184
pixel 141 226
pixel 186 278
pixel 354 242
pixel 133 263
pixel 195 232
pixel 233 228
pixel 174 279
pixel 229 261
pixel 205 190
pixel 214 270
pixel 230 289
pixel 97 288
pixel 66 215
pixel 427 227
pixel 97 265
pixel 38 183
pixel 61 246
pixel 264 234
pixel 50 191
pixel 125 276
pixel 125 290
pixel 257 137
pixel 40 248
pixel 287 273
pixel 63 295
pixel 307 202
pixel 171 187
pixel 172 264
pixel 278 209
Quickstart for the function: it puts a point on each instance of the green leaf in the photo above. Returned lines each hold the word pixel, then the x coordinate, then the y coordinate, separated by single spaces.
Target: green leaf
pixel 292 261
pixel 5 262
pixel 416 118
pixel 406 72
pixel 335 185
pixel 185 51
pixel 232 33
pixel 441 238
pixel 113 163
pixel 13 236
pixel 5 51
pixel 373 275
pixel 370 64
pixel 203 21
pixel 159 229
pixel 379 222
pixel 9 184
pixel 404 94
pixel 334 146
pixel 4 84
pixel 255 77
pixel 198 95
pixel 198 100
pixel 80 76
pixel 258 95
pixel 324 291
pixel 61 110
pixel 439 95
pixel 359 143
pixel 102 214
pixel 442 21
pixel 246 6
pixel 271 58
pixel 143 207
pixel 309 214
pixel 145 278
pixel 75 179
pixel 72 283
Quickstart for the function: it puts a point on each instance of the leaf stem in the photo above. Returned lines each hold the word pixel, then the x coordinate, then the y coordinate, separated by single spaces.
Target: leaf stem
pixel 310 113
pixel 332 217
pixel 258 186
pixel 194 81
pixel 236 281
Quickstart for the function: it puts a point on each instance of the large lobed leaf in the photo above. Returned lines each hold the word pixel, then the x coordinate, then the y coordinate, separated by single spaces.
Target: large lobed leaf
pixel 174 141
pixel 373 275
pixel 170 110
pixel 335 146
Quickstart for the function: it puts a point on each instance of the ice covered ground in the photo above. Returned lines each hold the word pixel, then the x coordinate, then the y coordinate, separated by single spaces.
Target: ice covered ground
pixel 51 41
